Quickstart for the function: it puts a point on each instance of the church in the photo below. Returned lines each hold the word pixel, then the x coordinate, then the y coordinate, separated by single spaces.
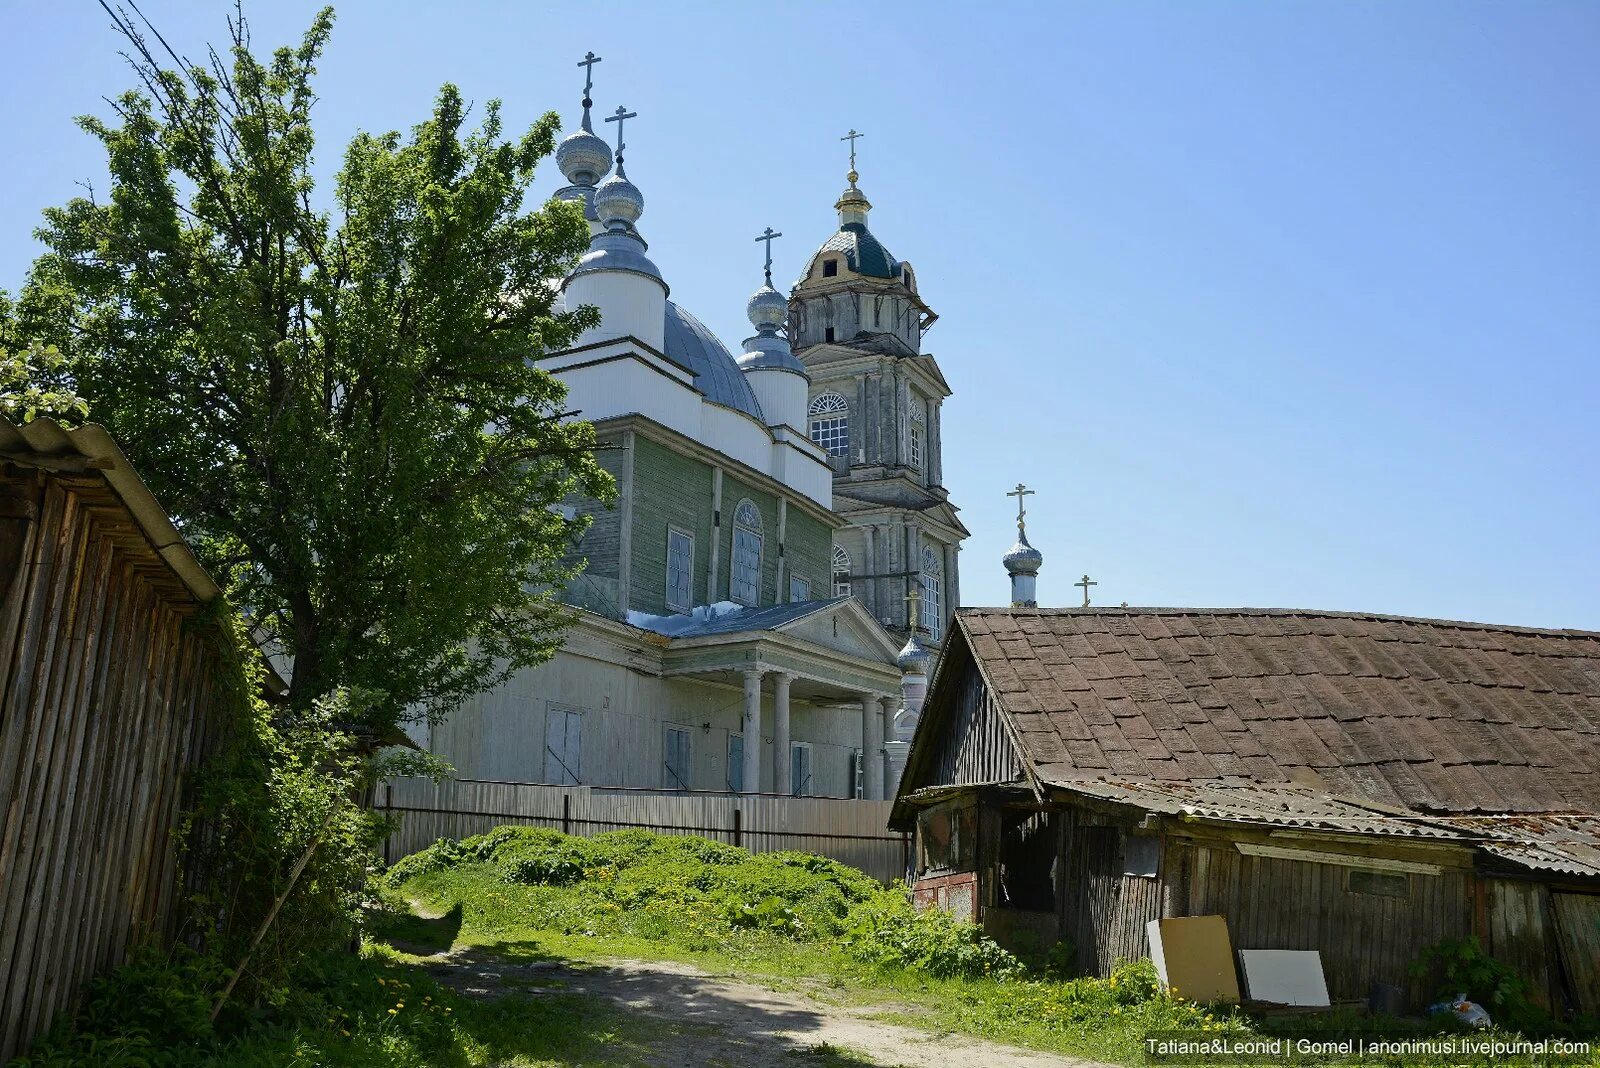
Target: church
pixel 760 609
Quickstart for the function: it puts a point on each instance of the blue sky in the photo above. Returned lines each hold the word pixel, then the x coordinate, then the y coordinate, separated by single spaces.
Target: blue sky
pixel 1277 305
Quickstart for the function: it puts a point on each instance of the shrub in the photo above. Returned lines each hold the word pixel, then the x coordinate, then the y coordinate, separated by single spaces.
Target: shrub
pixel 893 933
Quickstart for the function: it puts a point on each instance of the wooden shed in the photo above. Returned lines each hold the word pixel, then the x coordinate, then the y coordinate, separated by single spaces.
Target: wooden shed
pixel 106 706
pixel 1360 785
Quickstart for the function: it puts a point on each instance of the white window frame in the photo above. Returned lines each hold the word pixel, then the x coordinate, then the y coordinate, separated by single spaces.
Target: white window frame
pixel 799 589
pixel 564 768
pixel 841 587
pixel 735 766
pixel 801 785
pixel 829 425
pixel 686 603
pixel 670 780
pixel 744 587
pixel 932 607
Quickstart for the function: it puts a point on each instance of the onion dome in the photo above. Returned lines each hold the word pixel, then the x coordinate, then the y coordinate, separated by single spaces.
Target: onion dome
pixel 618 202
pixel 1023 559
pixel 583 157
pixel 913 658
pixel 768 309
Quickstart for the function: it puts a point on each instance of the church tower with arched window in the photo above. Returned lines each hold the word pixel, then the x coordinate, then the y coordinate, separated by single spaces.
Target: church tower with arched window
pixel 856 321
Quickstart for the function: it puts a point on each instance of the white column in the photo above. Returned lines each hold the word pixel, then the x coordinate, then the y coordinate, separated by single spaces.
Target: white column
pixel 752 730
pixel 871 747
pixel 781 768
pixel 896 750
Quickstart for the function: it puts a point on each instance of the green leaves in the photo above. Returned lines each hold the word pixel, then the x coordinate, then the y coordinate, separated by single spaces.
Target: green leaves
pixel 338 404
pixel 33 384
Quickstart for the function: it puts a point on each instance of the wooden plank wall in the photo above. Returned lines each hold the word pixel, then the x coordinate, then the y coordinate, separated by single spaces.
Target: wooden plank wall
pixel 105 705
pixel 853 832
pixel 1274 903
pixel 974 749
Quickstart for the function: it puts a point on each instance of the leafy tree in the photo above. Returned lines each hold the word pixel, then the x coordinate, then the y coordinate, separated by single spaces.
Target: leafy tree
pixel 337 405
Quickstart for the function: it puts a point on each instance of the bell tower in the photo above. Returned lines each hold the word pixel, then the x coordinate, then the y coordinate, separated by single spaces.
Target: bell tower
pixel 856 320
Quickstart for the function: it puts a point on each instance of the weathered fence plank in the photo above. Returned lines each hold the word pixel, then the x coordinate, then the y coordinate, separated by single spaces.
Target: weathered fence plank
pixel 105 706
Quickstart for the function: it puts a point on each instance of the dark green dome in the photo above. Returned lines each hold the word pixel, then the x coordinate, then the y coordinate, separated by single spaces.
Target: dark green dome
pixel 864 253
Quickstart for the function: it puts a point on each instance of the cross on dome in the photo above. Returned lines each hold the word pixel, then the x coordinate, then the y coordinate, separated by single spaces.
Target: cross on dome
pixel 852 136
pixel 768 235
pixel 622 114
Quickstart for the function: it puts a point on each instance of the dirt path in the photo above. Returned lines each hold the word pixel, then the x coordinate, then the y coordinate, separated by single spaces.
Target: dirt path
pixel 718 1020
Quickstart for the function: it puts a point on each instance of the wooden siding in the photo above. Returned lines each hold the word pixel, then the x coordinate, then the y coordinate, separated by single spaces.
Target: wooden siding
pixel 670 490
pixel 1274 903
pixel 1104 911
pixel 1519 933
pixel 107 706
pixel 599 549
pixel 853 832
pixel 973 748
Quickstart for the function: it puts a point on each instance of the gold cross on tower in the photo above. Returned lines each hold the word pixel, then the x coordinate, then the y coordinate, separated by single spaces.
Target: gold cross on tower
pixel 1086 582
pixel 1020 493
pixel 851 137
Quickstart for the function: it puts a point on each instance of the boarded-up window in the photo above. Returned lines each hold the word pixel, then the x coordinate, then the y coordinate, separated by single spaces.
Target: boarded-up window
pixel 736 763
pixel 800 769
pixel 563 749
pixel 946 837
pixel 675 759
pixel 1141 855
pixel 1378 883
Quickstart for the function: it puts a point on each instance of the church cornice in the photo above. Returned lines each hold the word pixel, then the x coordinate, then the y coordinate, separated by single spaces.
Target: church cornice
pixel 829 361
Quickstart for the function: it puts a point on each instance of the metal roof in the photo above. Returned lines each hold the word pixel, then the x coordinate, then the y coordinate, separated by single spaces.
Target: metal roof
pixel 720 619
pixel 716 373
pixel 864 253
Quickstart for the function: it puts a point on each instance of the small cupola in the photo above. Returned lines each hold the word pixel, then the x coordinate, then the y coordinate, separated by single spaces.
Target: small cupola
pixel 780 381
pixel 583 157
pixel 1023 561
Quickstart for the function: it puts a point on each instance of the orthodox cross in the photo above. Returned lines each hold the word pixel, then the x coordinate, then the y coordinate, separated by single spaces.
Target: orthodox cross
pixel 587 63
pixel 1085 582
pixel 767 235
pixel 622 113
pixel 914 598
pixel 851 137
pixel 1021 493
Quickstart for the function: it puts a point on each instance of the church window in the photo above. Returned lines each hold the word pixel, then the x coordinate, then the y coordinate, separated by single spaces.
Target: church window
pixel 830 268
pixel 830 424
pixel 675 759
pixel 680 571
pixel 799 589
pixel 916 446
pixel 841 572
pixel 932 593
pixel 800 769
pixel 746 584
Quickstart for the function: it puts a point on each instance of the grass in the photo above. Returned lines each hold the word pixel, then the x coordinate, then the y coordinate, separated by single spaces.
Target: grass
pixel 519 901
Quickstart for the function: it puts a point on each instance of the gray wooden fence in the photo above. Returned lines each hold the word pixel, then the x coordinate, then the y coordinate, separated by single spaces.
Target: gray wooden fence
pixel 106 706
pixel 853 832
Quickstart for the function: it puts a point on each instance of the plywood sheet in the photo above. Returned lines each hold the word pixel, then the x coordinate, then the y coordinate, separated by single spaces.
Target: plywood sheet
pixel 1284 976
pixel 1194 957
pixel 1578 931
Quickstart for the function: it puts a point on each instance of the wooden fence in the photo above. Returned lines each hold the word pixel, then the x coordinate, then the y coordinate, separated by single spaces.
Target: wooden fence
pixel 853 832
pixel 105 705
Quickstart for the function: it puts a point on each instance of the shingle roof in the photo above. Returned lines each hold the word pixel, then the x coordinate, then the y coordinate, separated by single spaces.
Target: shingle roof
pixel 1428 715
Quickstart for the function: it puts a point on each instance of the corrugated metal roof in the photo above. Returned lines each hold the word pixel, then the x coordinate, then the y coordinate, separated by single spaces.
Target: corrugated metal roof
pixel 716 619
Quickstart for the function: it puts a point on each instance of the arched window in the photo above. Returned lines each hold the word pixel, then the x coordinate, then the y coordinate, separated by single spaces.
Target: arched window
pixel 745 585
pixel 841 572
pixel 932 593
pixel 830 423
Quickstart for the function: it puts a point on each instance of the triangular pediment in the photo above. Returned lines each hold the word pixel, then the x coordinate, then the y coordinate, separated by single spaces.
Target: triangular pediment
pixel 846 628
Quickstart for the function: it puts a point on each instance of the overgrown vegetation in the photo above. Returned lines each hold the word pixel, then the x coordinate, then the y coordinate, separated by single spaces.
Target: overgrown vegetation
pixel 333 393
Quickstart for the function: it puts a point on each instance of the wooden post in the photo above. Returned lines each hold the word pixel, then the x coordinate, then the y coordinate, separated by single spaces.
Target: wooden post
pixel 566 813
pixel 738 826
